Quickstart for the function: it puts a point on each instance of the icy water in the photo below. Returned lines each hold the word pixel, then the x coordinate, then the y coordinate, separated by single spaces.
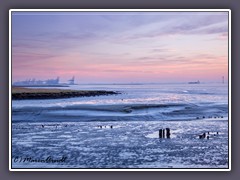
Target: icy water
pixel 121 131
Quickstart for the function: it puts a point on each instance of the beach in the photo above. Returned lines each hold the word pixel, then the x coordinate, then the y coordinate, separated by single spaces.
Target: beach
pixel 125 145
pixel 122 130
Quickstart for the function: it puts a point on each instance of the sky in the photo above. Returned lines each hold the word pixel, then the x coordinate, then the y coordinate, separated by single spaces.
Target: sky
pixel 120 47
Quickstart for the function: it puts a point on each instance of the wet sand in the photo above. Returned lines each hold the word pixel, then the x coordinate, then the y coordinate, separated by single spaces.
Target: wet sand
pixel 133 144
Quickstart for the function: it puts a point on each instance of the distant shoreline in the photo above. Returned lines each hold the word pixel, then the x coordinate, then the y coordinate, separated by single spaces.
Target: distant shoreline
pixel 23 93
pixel 57 85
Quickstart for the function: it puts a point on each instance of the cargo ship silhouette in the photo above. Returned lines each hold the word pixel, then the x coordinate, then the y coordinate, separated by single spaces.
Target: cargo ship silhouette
pixel 195 82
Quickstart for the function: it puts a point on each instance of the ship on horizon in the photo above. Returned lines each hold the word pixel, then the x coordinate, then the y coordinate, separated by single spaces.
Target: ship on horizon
pixel 194 82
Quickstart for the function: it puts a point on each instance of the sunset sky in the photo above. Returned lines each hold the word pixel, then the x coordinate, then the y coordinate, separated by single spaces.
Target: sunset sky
pixel 120 47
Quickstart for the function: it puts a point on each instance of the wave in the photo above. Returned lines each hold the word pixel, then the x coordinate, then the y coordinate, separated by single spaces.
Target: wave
pixel 118 112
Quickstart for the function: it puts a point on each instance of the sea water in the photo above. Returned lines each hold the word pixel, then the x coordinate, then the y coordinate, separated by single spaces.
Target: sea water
pixel 121 131
pixel 216 93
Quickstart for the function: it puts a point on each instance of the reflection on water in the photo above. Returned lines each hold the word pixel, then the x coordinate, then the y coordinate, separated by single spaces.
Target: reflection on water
pixel 142 94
